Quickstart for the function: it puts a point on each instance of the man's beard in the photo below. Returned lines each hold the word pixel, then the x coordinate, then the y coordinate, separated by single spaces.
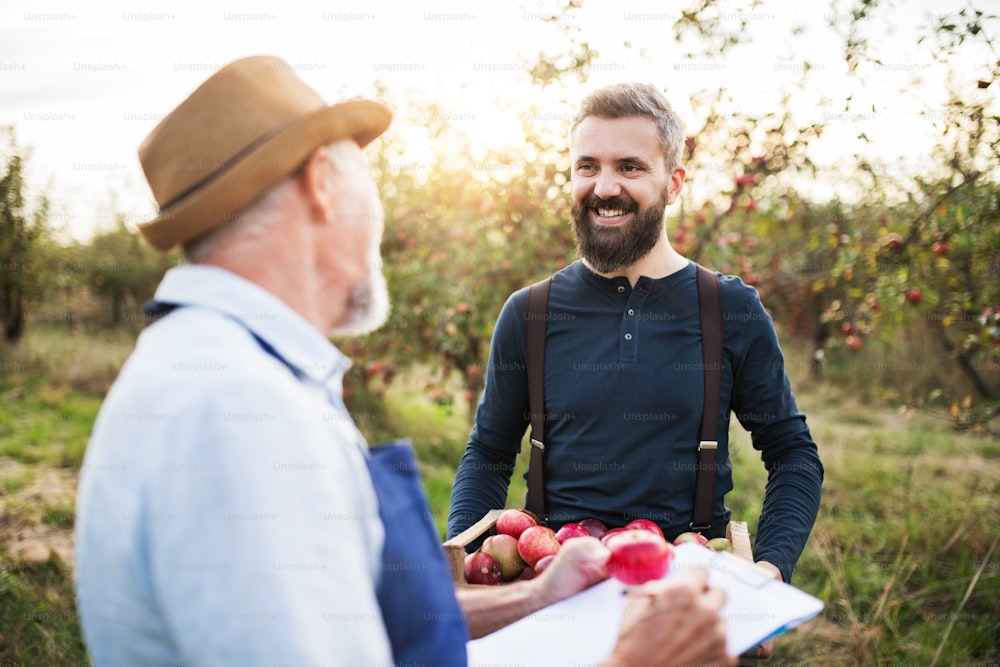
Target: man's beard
pixel 609 249
pixel 367 305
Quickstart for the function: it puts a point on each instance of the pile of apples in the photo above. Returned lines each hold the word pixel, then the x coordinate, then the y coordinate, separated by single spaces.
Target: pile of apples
pixel 523 548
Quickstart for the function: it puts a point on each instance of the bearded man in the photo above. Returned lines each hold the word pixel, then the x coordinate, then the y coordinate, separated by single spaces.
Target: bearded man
pixel 624 372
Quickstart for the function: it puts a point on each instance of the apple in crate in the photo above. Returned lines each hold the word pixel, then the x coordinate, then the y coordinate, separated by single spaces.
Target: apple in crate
pixel 571 530
pixel 638 556
pixel 482 568
pixel 513 522
pixel 644 524
pixel 611 533
pixel 542 564
pixel 720 544
pixel 691 536
pixel 503 548
pixel 596 528
pixel 537 542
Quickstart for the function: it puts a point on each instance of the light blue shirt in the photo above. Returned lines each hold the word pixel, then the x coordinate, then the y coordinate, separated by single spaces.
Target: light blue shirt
pixel 225 515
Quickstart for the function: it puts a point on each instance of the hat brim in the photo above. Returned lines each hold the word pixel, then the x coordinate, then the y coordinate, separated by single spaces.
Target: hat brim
pixel 247 178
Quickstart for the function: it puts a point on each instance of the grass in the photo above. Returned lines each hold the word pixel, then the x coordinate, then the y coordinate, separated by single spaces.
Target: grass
pixel 904 552
pixel 38 614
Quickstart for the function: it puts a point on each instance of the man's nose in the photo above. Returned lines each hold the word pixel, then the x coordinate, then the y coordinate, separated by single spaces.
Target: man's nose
pixel 607 185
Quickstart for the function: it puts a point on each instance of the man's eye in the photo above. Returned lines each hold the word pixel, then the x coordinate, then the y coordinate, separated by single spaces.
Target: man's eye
pixel 631 168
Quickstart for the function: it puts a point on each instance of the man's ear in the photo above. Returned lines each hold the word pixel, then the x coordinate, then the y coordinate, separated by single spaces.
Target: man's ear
pixel 316 181
pixel 676 183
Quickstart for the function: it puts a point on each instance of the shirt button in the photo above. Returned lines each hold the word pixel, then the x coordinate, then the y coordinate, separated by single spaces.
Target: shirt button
pixel 631 312
pixel 621 289
pixel 628 336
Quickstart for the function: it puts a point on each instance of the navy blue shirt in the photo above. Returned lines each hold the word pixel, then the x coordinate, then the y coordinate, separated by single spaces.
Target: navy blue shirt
pixel 623 400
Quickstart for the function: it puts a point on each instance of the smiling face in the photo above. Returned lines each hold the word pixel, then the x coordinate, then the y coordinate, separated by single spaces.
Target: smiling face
pixel 621 187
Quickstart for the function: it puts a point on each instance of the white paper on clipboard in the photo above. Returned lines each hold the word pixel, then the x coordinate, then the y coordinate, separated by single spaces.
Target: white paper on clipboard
pixel 582 630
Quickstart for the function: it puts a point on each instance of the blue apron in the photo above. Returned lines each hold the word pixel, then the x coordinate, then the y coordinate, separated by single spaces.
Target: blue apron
pixel 415 592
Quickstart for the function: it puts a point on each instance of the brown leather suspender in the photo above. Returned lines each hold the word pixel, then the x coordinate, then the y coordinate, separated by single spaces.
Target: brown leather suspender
pixel 536 317
pixel 710 307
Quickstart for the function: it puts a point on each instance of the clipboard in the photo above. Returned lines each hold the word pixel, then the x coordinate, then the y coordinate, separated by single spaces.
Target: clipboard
pixel 582 630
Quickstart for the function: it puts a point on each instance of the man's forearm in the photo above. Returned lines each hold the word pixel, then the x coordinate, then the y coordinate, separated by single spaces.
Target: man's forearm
pixel 480 485
pixel 791 503
pixel 488 609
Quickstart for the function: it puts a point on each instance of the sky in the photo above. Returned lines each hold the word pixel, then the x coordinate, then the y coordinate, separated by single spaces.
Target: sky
pixel 83 84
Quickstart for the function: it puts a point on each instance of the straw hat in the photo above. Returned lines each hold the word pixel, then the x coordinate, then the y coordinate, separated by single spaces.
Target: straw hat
pixel 244 129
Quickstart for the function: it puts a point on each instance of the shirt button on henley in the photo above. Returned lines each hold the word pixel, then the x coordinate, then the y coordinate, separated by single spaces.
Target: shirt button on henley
pixel 628 336
pixel 621 289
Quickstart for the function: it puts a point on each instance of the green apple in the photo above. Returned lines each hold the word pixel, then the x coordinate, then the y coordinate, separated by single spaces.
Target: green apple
pixel 720 544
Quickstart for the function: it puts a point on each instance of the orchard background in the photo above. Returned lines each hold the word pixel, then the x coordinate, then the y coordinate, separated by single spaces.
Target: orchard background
pixel 884 286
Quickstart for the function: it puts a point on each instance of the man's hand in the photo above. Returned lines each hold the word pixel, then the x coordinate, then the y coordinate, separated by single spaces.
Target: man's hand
pixel 581 563
pixel 766 650
pixel 674 622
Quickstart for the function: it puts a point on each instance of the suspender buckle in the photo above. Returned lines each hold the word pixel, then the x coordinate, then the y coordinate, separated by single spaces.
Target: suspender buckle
pixel 537 443
pixel 708 444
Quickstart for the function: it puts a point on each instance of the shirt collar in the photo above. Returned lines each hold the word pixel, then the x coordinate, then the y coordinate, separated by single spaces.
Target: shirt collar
pixel 261 312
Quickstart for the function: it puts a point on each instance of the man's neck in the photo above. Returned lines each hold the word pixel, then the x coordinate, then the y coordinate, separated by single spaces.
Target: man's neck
pixel 660 262
pixel 282 268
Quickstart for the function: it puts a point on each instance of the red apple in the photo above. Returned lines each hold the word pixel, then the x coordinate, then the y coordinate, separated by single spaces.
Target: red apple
pixel 571 530
pixel 914 296
pixel 482 568
pixel 941 248
pixel 638 556
pixel 504 549
pixel 542 564
pixel 537 542
pixel 691 536
pixel 513 522
pixel 644 524
pixel 853 342
pixel 611 533
pixel 596 528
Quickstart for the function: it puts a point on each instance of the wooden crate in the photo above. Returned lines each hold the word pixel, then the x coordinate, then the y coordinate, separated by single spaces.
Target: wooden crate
pixel 454 548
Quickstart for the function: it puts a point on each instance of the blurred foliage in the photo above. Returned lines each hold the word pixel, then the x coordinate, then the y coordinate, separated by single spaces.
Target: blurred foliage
pixel 912 249
pixel 23 231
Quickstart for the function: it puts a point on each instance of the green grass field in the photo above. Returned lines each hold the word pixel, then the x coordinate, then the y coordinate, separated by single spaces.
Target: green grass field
pixel 903 553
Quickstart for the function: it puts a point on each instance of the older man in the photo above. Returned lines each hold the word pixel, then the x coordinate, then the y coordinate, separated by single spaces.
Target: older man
pixel 229 510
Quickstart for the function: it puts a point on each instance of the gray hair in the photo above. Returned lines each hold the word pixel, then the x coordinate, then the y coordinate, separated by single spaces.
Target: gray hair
pixel 258 216
pixel 624 100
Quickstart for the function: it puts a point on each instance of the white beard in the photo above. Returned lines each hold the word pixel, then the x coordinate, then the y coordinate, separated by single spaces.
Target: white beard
pixel 367 306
